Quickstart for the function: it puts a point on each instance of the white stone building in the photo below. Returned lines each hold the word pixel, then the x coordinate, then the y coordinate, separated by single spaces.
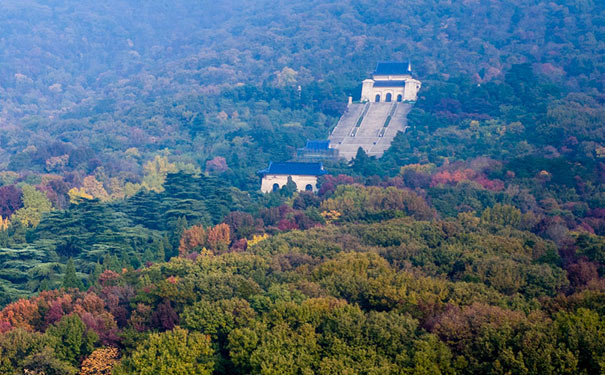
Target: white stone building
pixel 304 175
pixel 390 82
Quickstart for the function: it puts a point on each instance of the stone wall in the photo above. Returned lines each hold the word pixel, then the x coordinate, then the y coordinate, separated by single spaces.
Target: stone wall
pixel 301 182
pixel 409 92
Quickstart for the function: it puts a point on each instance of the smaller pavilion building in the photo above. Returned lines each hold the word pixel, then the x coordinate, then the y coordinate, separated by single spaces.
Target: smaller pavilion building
pixel 391 82
pixel 304 175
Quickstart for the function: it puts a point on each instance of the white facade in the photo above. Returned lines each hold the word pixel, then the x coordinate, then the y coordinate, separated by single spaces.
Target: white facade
pixel 390 88
pixel 272 182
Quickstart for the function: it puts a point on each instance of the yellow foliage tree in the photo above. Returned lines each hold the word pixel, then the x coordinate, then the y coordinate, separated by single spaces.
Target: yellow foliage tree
pixel 155 173
pixel 8 177
pixel 257 238
pixel 157 169
pixel 116 189
pixel 100 362
pixel 57 163
pixel 4 223
pixel 331 216
pixel 76 195
pixel 35 204
pixel 131 189
pixel 95 188
pixel 133 152
pixel 419 168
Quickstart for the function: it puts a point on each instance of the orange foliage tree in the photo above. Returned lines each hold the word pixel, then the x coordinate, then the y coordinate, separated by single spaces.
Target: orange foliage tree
pixel 22 313
pixel 216 239
pixel 192 238
pixel 219 238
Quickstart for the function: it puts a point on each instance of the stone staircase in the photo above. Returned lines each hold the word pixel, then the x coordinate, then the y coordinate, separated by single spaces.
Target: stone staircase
pixel 347 122
pixel 368 126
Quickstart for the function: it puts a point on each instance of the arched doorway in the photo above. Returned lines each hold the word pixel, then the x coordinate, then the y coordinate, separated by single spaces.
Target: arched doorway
pixel 388 97
pixel 377 98
pixel 275 187
pixel 399 98
pixel 309 187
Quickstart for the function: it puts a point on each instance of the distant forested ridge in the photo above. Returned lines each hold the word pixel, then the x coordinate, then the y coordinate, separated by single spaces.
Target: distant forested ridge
pixel 112 77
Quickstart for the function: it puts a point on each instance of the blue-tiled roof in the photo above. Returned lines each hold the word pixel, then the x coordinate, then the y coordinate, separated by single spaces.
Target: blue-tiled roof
pixel 389 83
pixel 392 68
pixel 292 168
pixel 318 145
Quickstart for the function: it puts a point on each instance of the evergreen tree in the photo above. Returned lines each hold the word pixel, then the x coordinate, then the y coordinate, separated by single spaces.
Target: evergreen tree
pixel 143 208
pixel 70 278
pixel 93 276
pixel 73 340
pixel 148 256
pixel 365 165
pixel 164 247
pixel 201 199
pixel 289 188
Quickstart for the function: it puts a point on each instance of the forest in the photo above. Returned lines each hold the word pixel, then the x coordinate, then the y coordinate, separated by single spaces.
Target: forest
pixel 134 238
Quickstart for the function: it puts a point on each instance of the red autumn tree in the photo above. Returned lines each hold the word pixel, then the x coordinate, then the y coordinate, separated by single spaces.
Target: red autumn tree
pixel 10 200
pixel 217 165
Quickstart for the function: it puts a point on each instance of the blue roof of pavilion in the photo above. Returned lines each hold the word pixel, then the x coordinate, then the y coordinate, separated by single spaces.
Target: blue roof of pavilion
pixel 294 168
pixel 392 68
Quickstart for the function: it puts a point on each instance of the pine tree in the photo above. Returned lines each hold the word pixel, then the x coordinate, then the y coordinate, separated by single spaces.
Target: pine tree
pixel 179 228
pixel 363 164
pixel 289 188
pixel 93 276
pixel 160 252
pixel 70 278
pixel 148 256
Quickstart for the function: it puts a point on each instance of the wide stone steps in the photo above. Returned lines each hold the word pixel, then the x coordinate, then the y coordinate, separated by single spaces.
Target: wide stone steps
pixel 346 123
pixel 371 134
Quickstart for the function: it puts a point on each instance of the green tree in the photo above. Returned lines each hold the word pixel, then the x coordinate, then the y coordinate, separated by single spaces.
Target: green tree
pixel 174 352
pixel 583 333
pixel 46 362
pixel 502 214
pixel 218 318
pixel 94 274
pixel 365 165
pixel 289 188
pixel 592 247
pixel 70 278
pixel 15 346
pixel 282 350
pixel 72 340
pixel 431 357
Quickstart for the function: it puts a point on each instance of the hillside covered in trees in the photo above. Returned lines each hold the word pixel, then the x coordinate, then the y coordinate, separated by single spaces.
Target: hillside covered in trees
pixel 85 85
pixel 134 240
